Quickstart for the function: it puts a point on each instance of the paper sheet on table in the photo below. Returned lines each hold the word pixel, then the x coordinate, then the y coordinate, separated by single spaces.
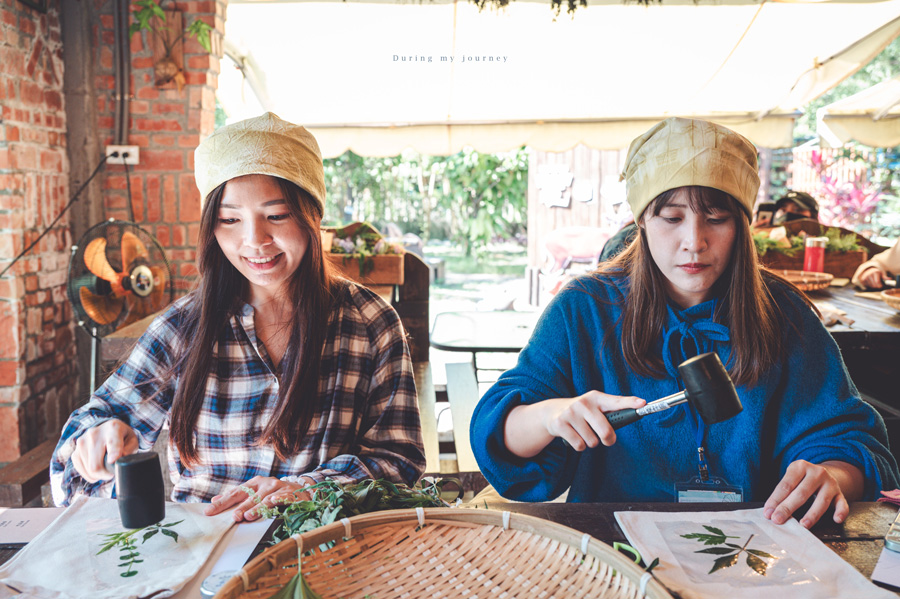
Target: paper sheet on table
pixel 229 556
pixel 887 570
pixel 63 561
pixel 22 525
pixel 725 553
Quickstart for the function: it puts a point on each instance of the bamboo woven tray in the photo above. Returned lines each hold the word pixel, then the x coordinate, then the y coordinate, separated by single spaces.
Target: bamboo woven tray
pixel 453 553
pixel 892 298
pixel 805 280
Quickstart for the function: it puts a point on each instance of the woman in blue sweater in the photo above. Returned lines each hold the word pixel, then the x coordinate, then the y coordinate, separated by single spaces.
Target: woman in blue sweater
pixel 690 283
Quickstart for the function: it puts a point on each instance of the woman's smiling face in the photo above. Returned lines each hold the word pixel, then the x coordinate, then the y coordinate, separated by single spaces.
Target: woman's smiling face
pixel 691 249
pixel 259 235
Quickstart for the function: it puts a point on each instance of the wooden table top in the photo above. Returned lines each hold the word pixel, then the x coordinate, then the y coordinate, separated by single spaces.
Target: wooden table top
pixel 876 325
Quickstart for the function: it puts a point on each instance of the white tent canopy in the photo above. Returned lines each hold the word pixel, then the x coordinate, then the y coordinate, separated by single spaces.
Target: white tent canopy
pixel 871 117
pixel 435 75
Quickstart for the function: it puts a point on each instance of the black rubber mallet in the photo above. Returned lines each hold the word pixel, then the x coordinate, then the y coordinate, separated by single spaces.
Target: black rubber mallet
pixel 140 490
pixel 707 387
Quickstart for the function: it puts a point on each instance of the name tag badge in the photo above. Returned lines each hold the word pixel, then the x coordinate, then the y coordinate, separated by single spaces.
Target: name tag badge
pixel 714 490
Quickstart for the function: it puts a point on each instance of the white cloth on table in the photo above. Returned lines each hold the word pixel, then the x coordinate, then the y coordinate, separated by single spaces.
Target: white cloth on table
pixel 62 562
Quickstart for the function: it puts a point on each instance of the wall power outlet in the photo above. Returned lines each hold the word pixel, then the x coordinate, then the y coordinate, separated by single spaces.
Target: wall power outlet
pixel 127 155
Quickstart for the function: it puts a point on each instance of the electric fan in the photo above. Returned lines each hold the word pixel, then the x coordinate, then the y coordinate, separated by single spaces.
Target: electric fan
pixel 118 274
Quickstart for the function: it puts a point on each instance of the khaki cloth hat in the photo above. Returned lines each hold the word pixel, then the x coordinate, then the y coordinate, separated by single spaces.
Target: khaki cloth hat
pixel 263 145
pixel 678 152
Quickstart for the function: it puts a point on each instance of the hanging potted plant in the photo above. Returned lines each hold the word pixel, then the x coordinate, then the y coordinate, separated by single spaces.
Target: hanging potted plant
pixel 167 34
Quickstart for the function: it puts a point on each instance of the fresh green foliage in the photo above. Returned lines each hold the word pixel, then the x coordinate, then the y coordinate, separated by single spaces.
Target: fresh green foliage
pixel 765 244
pixel 469 197
pixel 330 501
pixel 729 553
pixel 840 243
pixel 146 10
pixel 127 543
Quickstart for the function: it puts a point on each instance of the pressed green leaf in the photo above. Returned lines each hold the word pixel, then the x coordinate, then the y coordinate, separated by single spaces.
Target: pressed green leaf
pixel 759 553
pixel 149 534
pixel 716 550
pixel 733 545
pixel 758 565
pixel 724 562
pixel 169 533
pixel 173 523
pixel 714 530
pixel 128 574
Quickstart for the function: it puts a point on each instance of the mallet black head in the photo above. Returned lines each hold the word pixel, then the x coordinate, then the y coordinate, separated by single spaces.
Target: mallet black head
pixel 709 388
pixel 140 490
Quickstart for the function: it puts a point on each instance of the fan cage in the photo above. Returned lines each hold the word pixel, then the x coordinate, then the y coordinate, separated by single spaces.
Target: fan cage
pixel 86 282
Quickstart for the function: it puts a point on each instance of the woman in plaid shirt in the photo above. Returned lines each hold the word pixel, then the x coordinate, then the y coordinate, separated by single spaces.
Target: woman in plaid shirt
pixel 272 374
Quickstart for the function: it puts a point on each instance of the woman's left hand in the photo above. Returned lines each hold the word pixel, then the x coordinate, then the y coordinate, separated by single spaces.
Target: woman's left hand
pixel 831 483
pixel 269 492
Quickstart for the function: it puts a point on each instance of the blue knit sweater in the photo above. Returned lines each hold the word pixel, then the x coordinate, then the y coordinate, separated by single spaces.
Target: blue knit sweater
pixel 804 408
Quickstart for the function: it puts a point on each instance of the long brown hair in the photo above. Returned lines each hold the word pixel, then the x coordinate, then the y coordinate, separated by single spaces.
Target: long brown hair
pixel 219 295
pixel 747 307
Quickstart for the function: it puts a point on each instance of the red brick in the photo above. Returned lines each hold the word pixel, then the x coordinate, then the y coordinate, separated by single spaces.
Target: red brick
pixel 137 201
pixel 189 200
pixel 193 234
pixel 164 140
pixel 139 107
pixel 27 26
pixel 9 330
pixel 188 141
pixel 142 141
pixel 51 161
pixel 187 270
pixel 163 236
pixel 9 373
pixel 168 108
pixel 10 445
pixel 142 62
pixel 7 17
pixel 201 62
pixel 162 160
pixel 147 93
pixel 53 100
pixel 179 235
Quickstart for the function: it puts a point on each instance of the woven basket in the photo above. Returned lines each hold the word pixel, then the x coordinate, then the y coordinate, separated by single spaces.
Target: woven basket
pixel 892 298
pixel 805 280
pixel 455 553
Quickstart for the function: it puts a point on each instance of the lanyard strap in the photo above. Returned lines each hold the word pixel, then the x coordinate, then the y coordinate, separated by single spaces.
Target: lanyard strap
pixel 700 433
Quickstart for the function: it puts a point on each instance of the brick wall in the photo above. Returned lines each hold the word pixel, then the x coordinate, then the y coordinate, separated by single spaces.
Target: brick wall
pixel 167 124
pixel 37 373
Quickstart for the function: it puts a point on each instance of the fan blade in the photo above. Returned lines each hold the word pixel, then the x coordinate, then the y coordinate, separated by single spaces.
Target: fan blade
pixel 132 248
pixel 102 309
pixel 95 260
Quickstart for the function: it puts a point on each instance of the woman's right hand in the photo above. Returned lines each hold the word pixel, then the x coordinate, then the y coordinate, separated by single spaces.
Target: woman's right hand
pixel 578 420
pixel 103 443
pixel 872 278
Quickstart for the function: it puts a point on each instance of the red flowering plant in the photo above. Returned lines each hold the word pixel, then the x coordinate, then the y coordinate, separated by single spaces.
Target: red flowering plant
pixel 849 203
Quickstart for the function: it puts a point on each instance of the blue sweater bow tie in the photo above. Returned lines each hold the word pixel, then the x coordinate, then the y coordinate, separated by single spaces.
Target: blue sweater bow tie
pixel 695 324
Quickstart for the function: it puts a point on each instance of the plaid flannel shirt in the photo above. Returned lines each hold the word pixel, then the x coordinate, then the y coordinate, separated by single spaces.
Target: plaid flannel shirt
pixel 366 424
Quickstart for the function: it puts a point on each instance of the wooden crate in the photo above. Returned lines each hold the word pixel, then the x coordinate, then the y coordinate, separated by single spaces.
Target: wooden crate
pixel 386 269
pixel 840 264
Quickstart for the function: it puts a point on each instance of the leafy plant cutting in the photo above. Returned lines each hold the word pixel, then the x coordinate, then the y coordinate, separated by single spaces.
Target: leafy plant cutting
pixel 127 543
pixel 730 553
